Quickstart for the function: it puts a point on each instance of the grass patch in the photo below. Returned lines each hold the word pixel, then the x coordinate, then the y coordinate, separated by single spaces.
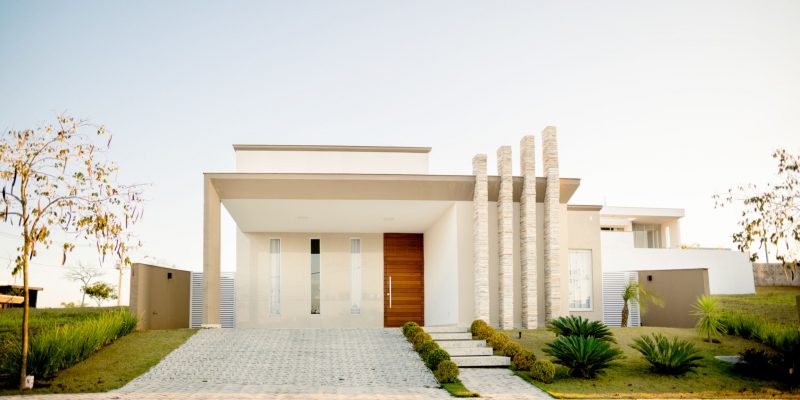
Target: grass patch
pixel 114 365
pixel 632 376
pixel 458 390
pixel 44 318
pixel 773 303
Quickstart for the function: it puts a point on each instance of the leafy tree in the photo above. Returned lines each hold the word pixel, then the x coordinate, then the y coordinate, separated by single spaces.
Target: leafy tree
pixel 770 217
pixel 100 292
pixel 83 274
pixel 635 292
pixel 56 178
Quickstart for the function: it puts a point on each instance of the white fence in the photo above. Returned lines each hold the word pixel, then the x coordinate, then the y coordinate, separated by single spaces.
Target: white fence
pixel 227 300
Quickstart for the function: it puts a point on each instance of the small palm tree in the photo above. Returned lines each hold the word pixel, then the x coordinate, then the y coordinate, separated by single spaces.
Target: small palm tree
pixel 709 321
pixel 635 292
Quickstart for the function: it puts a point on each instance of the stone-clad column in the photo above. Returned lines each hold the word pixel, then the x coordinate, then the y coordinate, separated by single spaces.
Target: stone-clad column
pixel 505 238
pixel 552 227
pixel 211 255
pixel 480 237
pixel 527 229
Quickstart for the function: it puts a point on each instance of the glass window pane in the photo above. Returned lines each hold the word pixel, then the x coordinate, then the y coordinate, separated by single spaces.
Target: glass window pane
pixel 580 279
pixel 275 276
pixel 355 276
pixel 315 276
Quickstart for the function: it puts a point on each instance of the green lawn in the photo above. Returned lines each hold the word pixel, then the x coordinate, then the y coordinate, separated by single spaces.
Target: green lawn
pixel 775 304
pixel 114 365
pixel 631 377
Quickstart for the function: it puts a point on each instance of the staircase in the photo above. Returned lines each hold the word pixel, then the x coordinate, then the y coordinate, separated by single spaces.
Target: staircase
pixel 463 350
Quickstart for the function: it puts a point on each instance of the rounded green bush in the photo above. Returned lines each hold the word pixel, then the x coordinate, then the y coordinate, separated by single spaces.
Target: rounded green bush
pixel 446 372
pixel 417 338
pixel 412 330
pixel 543 371
pixel 512 349
pixel 426 347
pixel 524 360
pixel 407 327
pixel 435 357
pixel 477 326
pixel 499 341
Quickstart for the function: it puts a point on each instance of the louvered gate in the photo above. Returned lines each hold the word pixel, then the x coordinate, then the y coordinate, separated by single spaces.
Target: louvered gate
pixel 227 300
pixel 613 287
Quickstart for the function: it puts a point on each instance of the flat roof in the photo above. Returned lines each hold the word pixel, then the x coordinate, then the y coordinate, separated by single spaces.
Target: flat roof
pixel 295 147
pixel 612 211
pixel 241 185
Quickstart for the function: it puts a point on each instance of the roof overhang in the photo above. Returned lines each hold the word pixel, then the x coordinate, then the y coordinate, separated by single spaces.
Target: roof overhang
pixel 368 187
pixel 645 215
pixel 357 149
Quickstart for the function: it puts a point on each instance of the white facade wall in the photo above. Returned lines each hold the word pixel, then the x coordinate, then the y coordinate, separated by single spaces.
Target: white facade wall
pixel 331 162
pixel 729 272
pixel 253 286
pixel 441 270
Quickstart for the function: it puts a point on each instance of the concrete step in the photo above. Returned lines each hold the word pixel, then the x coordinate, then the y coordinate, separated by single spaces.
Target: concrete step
pixel 445 329
pixel 454 344
pixel 481 361
pixel 450 336
pixel 470 351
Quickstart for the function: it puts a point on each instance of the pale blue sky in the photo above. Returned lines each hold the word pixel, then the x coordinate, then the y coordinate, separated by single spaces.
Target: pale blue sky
pixel 657 103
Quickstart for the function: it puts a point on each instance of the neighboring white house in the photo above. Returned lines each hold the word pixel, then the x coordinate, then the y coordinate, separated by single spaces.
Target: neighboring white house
pixel 637 239
pixel 350 236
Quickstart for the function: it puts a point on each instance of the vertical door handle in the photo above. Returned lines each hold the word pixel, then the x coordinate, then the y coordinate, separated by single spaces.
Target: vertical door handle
pixel 390 291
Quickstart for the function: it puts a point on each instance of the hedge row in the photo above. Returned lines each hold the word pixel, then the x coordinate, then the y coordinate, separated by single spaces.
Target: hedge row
pixel 435 358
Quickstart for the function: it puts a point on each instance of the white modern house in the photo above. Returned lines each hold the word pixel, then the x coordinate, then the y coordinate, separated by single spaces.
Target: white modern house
pixel 351 236
pixel 644 245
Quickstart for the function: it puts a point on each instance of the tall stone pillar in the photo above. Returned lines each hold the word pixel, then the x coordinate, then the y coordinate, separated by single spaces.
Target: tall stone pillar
pixel 505 238
pixel 552 226
pixel 527 230
pixel 211 255
pixel 480 237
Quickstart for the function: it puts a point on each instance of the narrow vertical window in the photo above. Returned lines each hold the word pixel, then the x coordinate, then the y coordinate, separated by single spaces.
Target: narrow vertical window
pixel 315 276
pixel 355 276
pixel 275 276
pixel 580 280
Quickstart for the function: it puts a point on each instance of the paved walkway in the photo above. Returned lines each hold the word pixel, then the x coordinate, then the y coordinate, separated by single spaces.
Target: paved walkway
pixel 499 384
pixel 330 364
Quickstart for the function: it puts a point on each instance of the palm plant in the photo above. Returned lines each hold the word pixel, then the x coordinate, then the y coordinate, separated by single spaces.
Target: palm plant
pixel 578 326
pixel 674 357
pixel 584 356
pixel 710 319
pixel 635 292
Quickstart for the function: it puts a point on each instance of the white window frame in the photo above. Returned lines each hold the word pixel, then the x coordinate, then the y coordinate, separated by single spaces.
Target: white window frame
pixel 275 272
pixel 356 276
pixel 590 276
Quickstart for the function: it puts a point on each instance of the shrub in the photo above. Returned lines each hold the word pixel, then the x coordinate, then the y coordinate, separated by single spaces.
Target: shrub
pixel 407 327
pixel 584 356
pixel 524 360
pixel 60 347
pixel 578 326
pixel 499 341
pixel 512 349
pixel 543 371
pixel 756 362
pixel 426 347
pixel 413 330
pixel 746 326
pixel 785 342
pixel 672 357
pixel 446 372
pixel 417 338
pixel 481 329
pixel 709 322
pixel 435 357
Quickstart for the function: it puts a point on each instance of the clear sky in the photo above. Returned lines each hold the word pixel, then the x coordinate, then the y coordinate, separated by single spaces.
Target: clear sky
pixel 657 103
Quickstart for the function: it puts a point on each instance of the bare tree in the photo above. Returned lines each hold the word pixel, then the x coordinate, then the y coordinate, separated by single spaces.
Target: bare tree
pixel 84 274
pixel 56 177
pixel 770 217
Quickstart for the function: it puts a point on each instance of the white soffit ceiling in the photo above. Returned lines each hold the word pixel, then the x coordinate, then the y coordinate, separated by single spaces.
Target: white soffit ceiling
pixel 362 216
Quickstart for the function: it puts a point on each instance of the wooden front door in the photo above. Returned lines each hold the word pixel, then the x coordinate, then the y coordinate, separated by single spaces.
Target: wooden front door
pixel 403 279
